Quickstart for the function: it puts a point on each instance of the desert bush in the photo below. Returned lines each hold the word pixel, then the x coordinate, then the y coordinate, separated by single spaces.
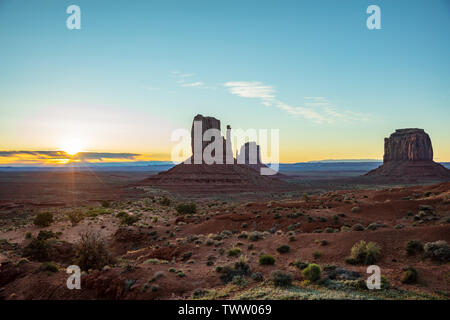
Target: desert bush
pixel 186 255
pixel 363 253
pixel 312 272
pixel 356 209
pixel 281 278
pixel 75 217
pixel 283 248
pixel 28 235
pixel 128 219
pixel 413 247
pixel 266 259
pixel 300 264
pixel 43 219
pixel 316 254
pixel 234 252
pixel 186 208
pixel 409 275
pixel 358 227
pixel 106 204
pixel 92 252
pixel 46 234
pixel 438 251
pixel 255 236
pixel 257 276
pixel 36 250
pixel 165 201
pixel 240 268
pixel 48 266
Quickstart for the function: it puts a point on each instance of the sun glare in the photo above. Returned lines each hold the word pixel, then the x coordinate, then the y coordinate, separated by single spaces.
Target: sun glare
pixel 72 147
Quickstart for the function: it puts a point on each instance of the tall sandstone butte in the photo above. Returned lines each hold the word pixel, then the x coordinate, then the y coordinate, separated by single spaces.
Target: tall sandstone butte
pixel 408 156
pixel 408 145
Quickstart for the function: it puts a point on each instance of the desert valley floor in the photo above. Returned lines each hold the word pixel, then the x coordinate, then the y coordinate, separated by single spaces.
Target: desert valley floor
pixel 150 243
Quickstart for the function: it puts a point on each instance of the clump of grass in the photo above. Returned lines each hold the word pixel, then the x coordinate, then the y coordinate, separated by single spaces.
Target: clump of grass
pixel 186 208
pixel 356 209
pixel 409 275
pixel 234 252
pixel 48 266
pixel 36 250
pixel 75 217
pixel 283 248
pixel 413 247
pixel 312 272
pixel 257 276
pixel 316 254
pixel 364 253
pixel 240 268
pixel 255 236
pixel 43 219
pixel 266 259
pixel 127 219
pixel 164 201
pixel 46 234
pixel 438 251
pixel 92 252
pixel 281 278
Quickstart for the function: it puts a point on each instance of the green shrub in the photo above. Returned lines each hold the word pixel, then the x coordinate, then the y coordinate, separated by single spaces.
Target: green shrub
pixel 186 208
pixel 48 266
pixel 300 264
pixel 266 259
pixel 44 235
pixel 409 275
pixel 438 251
pixel 413 247
pixel 36 250
pixel 75 216
pixel 186 255
pixel 312 272
pixel 316 254
pixel 356 209
pixel 257 276
pixel 255 236
pixel 43 219
pixel 281 278
pixel 165 201
pixel 240 268
pixel 128 219
pixel 364 253
pixel 234 252
pixel 283 248
pixel 106 204
pixel 92 252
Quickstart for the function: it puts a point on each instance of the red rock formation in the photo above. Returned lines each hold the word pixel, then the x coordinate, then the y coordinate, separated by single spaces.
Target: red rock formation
pixel 198 145
pixel 217 177
pixel 408 156
pixel 408 145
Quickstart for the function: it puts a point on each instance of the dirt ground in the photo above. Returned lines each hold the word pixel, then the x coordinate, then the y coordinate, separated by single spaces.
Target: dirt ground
pixel 162 253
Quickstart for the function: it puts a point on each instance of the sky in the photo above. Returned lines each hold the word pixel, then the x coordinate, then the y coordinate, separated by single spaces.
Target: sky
pixel 136 71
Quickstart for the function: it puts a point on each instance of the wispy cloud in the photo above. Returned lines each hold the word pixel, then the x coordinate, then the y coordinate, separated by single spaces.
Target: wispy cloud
pixel 316 109
pixel 193 84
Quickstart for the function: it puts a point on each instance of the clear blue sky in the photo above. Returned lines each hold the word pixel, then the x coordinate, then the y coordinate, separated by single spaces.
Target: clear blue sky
pixel 138 69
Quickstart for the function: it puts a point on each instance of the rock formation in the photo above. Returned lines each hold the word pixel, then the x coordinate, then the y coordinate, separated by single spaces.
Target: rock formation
pixel 250 153
pixel 408 157
pixel 200 125
pixel 203 177
pixel 408 145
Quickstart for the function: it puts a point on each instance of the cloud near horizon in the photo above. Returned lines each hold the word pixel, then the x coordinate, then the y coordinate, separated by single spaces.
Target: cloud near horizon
pixel 61 157
pixel 316 109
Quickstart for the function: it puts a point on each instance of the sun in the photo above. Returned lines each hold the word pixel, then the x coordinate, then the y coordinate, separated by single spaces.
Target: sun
pixel 72 147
